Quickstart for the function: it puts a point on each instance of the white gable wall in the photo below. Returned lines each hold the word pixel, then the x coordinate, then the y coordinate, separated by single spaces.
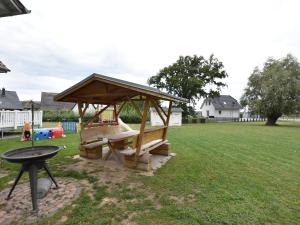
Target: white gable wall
pixel 227 114
pixel 215 113
pixel 175 119
pixel 210 108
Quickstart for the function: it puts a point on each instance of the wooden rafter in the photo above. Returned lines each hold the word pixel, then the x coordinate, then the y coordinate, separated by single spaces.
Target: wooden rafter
pixel 155 105
pixel 85 108
pixel 135 107
pixel 168 120
pixel 97 114
pixel 120 108
pixel 94 95
pixel 161 109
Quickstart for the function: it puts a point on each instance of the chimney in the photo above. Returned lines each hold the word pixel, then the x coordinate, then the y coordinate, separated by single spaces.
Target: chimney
pixel 3 92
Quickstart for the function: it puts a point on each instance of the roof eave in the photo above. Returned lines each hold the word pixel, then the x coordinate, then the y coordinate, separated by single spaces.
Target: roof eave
pixel 90 78
pixel 15 8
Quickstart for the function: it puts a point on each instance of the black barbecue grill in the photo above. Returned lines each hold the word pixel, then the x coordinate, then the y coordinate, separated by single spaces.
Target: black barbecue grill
pixel 32 159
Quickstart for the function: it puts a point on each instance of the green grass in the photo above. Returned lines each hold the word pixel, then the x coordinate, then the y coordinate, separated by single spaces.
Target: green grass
pixel 224 173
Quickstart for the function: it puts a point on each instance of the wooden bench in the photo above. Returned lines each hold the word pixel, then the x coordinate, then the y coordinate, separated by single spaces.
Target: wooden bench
pixel 152 143
pixel 92 140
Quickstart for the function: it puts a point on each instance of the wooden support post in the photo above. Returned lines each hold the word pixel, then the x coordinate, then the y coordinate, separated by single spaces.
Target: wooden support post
pixel 120 108
pixel 168 120
pixel 79 104
pixel 161 109
pixel 154 103
pixel 142 128
pixel 115 114
pixel 85 108
pixel 81 113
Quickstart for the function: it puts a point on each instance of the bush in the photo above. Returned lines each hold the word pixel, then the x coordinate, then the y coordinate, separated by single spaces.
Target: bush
pixel 59 116
pixel 129 114
pixel 190 119
pixel 202 120
pixel 185 120
pixel 194 120
pixel 130 118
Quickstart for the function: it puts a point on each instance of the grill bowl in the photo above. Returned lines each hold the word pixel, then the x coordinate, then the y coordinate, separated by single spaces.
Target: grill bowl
pixel 30 154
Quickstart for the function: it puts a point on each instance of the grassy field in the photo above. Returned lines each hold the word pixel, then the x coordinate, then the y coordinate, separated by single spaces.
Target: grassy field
pixel 224 173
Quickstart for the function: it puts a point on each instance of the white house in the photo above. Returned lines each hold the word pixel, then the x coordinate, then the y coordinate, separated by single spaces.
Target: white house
pixel 175 118
pixel 223 107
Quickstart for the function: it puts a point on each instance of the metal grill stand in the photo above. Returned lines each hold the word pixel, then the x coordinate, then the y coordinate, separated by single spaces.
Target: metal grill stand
pixel 32 168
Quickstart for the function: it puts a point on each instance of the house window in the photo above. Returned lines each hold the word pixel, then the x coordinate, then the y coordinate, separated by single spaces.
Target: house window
pixel 220 112
pixel 208 103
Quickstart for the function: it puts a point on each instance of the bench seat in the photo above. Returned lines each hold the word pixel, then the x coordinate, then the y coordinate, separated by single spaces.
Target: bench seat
pixel 95 144
pixel 145 148
pixel 94 138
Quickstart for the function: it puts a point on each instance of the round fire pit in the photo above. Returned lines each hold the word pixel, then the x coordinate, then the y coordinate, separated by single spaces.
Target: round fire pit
pixel 32 159
pixel 30 154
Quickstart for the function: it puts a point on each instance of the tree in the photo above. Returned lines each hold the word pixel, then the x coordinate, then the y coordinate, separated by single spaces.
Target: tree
pixel 189 77
pixel 274 90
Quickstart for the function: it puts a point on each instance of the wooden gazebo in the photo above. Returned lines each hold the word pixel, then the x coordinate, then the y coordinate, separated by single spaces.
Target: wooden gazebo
pixel 112 92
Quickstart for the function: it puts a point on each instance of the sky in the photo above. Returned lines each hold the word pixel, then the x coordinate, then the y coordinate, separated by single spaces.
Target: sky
pixel 61 42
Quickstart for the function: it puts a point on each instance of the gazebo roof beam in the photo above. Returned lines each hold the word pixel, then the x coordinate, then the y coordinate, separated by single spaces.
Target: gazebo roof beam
pixel 97 82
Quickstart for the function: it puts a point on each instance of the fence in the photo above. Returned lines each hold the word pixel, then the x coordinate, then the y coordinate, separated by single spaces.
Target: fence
pixel 69 126
pixel 15 119
pixel 223 119
pixel 251 119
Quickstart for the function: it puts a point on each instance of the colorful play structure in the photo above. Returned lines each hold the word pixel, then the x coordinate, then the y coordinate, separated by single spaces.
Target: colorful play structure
pixel 41 133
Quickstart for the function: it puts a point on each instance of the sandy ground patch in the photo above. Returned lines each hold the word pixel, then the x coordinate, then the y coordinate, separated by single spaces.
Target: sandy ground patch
pixel 19 207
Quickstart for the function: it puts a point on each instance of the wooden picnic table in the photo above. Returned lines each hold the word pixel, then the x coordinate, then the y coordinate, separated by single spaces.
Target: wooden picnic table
pixel 119 137
pixel 122 135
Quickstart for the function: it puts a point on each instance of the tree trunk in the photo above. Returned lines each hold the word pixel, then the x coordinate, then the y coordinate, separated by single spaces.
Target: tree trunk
pixel 271 120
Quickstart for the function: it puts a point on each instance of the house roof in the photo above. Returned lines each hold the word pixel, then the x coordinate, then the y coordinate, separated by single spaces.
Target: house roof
pixel 27 104
pixel 12 8
pixel 3 68
pixel 174 109
pixel 9 100
pixel 48 103
pixel 223 102
pixel 100 89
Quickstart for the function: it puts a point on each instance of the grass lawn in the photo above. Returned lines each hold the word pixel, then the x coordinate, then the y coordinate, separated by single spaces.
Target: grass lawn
pixel 224 173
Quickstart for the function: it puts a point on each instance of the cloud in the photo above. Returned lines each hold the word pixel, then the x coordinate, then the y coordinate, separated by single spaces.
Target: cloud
pixel 62 42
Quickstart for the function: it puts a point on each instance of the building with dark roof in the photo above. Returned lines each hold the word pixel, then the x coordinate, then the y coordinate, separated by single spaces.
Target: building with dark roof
pixel 223 107
pixel 27 105
pixel 48 103
pixel 3 68
pixel 12 8
pixel 9 100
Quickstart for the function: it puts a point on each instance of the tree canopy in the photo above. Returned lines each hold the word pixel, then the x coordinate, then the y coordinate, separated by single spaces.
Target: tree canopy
pixel 191 77
pixel 274 90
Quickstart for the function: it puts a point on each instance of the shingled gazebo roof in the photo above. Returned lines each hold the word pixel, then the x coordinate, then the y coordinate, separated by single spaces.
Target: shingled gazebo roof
pixel 100 89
